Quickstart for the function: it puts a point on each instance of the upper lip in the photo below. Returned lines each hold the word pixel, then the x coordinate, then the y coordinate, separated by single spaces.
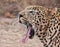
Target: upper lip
pixel 28 24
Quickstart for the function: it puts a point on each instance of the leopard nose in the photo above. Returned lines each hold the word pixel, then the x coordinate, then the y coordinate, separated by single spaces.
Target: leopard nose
pixel 20 16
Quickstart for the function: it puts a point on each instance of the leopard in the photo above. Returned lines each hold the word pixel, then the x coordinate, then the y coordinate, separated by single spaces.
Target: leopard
pixel 45 23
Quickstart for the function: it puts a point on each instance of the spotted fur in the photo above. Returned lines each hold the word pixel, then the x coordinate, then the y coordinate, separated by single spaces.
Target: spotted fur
pixel 45 22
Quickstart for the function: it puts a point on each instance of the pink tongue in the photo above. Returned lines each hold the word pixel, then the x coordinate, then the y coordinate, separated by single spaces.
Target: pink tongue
pixel 27 35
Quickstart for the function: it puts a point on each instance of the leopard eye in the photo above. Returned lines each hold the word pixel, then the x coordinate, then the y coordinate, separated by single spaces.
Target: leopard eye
pixel 31 12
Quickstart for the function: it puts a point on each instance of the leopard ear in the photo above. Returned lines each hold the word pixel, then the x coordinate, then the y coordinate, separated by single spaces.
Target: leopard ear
pixel 54 10
pixel 51 12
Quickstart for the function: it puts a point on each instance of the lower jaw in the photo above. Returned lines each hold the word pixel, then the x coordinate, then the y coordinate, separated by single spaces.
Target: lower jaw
pixel 31 33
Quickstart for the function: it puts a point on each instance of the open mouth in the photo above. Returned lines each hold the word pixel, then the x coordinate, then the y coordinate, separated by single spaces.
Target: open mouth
pixel 30 32
pixel 30 29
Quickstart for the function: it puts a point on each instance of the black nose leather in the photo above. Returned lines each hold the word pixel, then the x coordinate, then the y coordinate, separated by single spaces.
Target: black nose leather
pixel 20 15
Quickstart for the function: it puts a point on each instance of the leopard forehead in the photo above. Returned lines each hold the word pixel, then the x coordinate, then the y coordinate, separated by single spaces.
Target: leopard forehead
pixel 33 11
pixel 35 15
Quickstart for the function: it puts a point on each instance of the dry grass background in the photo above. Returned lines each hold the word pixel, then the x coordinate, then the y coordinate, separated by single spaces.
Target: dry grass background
pixel 10 8
pixel 11 34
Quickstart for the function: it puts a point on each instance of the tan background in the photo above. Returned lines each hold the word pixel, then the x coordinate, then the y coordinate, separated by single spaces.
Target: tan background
pixel 10 8
pixel 12 33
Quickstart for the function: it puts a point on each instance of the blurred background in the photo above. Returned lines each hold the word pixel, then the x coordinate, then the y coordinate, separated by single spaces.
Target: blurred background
pixel 10 8
pixel 11 31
